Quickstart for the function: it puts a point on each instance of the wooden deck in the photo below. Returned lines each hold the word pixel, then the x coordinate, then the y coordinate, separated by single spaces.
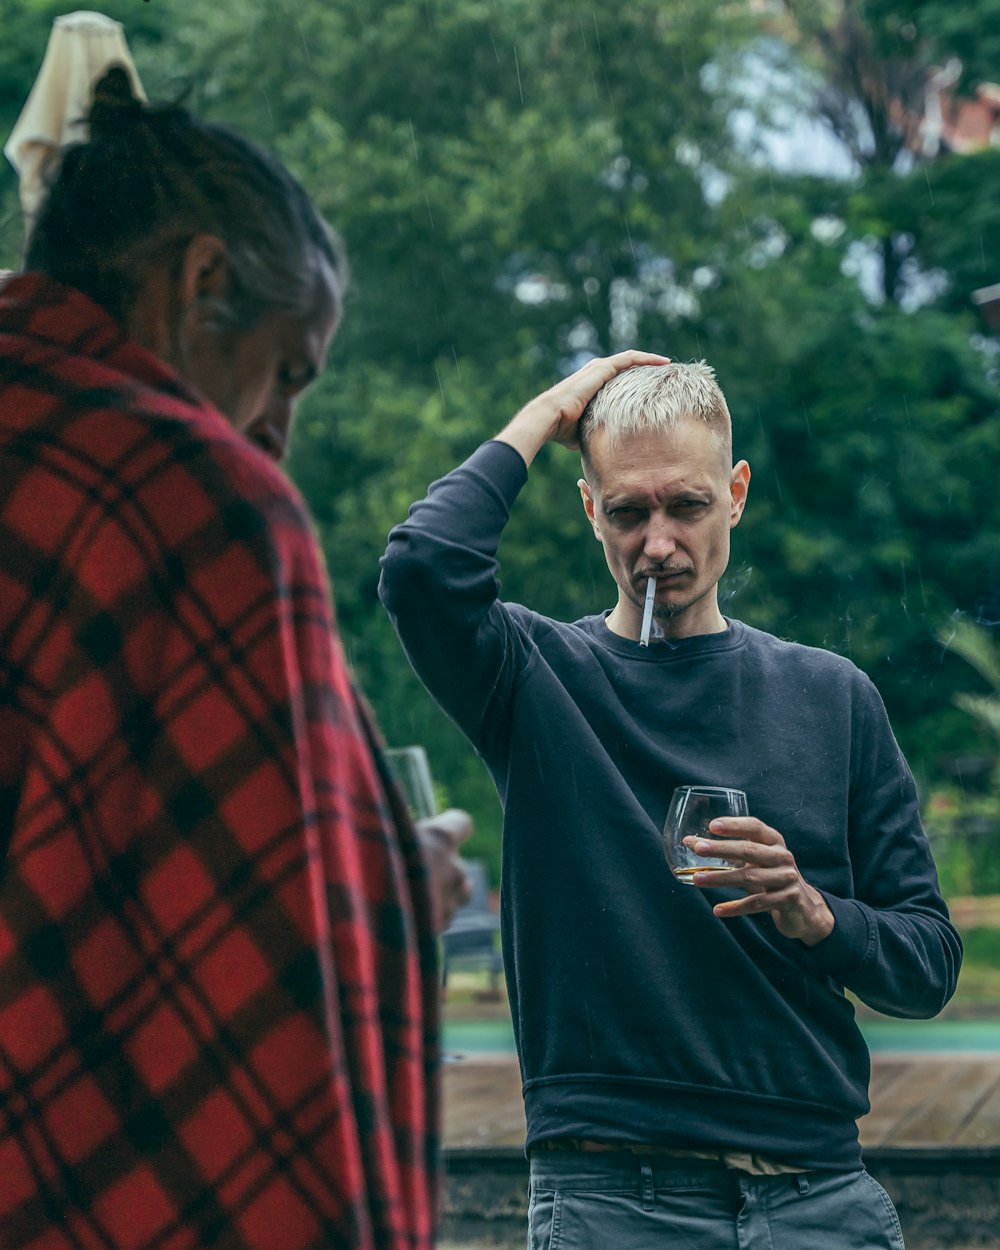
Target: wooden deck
pixel 947 1103
pixel 920 1103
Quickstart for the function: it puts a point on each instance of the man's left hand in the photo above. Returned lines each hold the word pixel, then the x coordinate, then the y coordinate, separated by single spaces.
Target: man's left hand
pixel 765 868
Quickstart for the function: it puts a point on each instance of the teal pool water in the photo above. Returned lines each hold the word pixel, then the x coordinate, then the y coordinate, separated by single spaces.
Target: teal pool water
pixel 913 1036
pixel 932 1035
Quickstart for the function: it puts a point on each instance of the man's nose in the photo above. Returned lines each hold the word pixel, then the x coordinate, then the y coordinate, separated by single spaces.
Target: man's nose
pixel 271 429
pixel 660 543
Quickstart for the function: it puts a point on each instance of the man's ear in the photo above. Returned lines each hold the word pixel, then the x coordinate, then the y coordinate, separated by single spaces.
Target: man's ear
pixel 204 271
pixel 589 507
pixel 739 485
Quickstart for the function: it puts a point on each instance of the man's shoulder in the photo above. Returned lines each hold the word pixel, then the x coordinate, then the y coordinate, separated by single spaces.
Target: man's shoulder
pixel 789 656
pixel 583 631
pixel 169 470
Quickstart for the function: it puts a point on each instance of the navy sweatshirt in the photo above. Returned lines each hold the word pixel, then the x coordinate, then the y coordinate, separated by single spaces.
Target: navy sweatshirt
pixel 638 1014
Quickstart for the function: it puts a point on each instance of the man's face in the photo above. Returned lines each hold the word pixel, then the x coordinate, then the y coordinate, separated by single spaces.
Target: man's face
pixel 254 377
pixel 257 378
pixel 662 503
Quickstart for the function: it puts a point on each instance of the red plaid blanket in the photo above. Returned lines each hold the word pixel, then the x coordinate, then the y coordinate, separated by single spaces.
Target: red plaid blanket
pixel 218 1000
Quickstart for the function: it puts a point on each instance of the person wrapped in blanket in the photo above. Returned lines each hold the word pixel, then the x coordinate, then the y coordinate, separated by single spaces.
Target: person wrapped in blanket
pixel 218 981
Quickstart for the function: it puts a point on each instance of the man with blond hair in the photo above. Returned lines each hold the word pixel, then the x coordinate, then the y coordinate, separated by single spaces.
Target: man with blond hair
pixel 692 1071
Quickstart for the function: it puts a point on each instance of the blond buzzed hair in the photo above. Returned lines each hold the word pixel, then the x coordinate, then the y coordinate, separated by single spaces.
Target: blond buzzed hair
pixel 658 397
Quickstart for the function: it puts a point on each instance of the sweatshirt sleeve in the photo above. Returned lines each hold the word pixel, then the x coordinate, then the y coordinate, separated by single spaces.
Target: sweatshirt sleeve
pixel 893 944
pixel 441 588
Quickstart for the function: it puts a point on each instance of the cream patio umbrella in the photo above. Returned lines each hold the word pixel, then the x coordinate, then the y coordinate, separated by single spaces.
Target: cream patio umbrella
pixel 81 47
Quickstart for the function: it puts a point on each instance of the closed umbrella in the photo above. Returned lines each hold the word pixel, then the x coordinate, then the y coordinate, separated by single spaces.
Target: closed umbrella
pixel 81 47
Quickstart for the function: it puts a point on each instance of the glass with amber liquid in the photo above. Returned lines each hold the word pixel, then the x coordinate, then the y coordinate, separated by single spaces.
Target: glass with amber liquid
pixel 692 809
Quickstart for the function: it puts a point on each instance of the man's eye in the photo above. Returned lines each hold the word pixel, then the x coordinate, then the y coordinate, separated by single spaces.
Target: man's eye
pixel 293 377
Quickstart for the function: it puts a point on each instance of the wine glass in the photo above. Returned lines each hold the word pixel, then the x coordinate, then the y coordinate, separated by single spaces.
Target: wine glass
pixel 412 773
pixel 692 809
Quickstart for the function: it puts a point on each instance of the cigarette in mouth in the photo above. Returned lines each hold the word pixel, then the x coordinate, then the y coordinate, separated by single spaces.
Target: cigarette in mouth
pixel 647 612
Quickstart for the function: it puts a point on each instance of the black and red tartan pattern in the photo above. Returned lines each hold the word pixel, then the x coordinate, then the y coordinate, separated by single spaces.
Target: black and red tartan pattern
pixel 218 999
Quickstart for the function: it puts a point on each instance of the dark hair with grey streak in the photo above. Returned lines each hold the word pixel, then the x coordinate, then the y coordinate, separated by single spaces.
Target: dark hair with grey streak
pixel 657 397
pixel 151 178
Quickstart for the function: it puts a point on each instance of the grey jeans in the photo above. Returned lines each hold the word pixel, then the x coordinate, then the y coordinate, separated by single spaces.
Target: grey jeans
pixel 632 1202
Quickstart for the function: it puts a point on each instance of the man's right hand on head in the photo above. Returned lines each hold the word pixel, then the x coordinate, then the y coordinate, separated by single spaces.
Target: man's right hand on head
pixel 553 416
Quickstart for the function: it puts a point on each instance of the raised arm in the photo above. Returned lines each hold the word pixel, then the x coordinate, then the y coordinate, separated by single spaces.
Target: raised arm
pixel 440 582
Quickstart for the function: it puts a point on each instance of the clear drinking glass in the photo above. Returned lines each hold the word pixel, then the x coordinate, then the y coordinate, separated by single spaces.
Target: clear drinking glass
pixel 412 772
pixel 692 809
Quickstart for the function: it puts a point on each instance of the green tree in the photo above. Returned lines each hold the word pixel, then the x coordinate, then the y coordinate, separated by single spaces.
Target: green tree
pixel 978 647
pixel 964 821
pixel 867 394
pixel 523 183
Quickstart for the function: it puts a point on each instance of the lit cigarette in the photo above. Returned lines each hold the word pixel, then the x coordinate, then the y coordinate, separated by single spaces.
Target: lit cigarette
pixel 647 612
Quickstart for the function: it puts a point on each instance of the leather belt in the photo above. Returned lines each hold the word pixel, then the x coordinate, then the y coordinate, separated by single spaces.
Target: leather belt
pixel 741 1161
pixel 585 1145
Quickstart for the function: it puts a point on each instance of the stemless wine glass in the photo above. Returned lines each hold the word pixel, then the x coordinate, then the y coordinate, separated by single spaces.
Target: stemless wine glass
pixel 692 809
pixel 412 773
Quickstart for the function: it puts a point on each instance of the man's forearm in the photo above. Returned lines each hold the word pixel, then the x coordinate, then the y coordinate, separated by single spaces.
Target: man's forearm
pixel 527 433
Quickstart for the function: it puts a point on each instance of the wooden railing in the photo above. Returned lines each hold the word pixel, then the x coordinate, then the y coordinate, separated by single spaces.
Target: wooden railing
pixel 976 911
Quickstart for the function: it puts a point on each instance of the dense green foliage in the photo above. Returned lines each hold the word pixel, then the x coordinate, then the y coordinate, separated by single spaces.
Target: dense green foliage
pixel 522 182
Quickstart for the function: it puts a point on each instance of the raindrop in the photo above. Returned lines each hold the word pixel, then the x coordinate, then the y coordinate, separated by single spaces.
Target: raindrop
pixel 520 89
pixel 920 578
pixel 305 46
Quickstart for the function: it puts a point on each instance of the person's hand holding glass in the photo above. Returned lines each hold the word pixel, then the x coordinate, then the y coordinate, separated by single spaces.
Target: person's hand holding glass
pixel 761 866
pixel 440 833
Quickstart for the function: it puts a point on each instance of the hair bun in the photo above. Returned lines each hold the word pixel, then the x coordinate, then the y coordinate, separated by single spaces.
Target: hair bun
pixel 114 103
